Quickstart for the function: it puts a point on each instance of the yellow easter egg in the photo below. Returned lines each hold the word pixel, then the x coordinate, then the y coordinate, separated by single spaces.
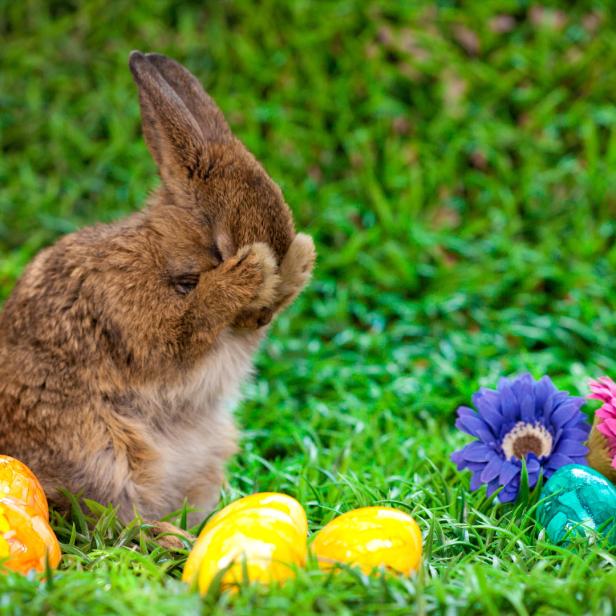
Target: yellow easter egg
pixel 271 500
pixel 371 537
pixel 262 537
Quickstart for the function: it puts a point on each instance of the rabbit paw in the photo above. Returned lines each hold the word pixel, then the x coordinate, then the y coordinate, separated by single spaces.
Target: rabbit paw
pixel 294 274
pixel 296 269
pixel 253 319
pixel 254 267
pixel 170 537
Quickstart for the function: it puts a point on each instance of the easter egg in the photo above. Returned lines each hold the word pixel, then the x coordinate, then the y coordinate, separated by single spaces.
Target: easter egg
pixel 260 537
pixel 371 537
pixel 267 500
pixel 577 498
pixel 19 483
pixel 26 539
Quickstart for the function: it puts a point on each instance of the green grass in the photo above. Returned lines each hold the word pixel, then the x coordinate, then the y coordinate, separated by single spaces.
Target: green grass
pixel 460 182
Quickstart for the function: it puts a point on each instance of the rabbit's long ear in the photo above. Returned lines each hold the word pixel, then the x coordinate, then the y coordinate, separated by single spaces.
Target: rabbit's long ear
pixel 172 134
pixel 199 103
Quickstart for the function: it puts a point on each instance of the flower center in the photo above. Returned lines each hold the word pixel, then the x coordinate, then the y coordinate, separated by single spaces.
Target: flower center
pixel 525 438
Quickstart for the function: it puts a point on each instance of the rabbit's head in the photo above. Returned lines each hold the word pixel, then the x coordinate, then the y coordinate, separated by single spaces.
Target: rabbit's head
pixel 215 197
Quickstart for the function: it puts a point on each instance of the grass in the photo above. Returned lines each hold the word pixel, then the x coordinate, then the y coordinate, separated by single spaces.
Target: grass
pixel 457 168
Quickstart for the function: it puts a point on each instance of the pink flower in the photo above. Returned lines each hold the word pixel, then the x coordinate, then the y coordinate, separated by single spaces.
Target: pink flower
pixel 604 389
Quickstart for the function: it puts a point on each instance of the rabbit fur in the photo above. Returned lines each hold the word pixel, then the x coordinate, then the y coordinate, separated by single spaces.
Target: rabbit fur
pixel 123 346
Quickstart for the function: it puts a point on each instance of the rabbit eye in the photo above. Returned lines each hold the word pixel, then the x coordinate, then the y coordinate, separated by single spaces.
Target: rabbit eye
pixel 186 283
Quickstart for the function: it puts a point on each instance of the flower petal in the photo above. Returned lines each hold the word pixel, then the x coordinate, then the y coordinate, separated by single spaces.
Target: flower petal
pixel 578 420
pixel 532 479
pixel 571 448
pixel 458 459
pixel 566 411
pixel 475 426
pixel 552 402
pixel 477 452
pixel 492 469
pixel 605 429
pixel 503 382
pixel 548 472
pixel 465 411
pixel 508 494
pixel 605 412
pixel 487 404
pixel 508 472
pixel 603 389
pixel 522 386
pixel 488 396
pixel 543 390
pixel 509 404
pixel 492 487
pixel 476 482
pixel 475 467
pixel 527 408
pixel 576 434
pixel 532 463
pixel 610 424
pixel 557 460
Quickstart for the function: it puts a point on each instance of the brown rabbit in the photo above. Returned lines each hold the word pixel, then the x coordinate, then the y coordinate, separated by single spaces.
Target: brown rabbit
pixel 123 346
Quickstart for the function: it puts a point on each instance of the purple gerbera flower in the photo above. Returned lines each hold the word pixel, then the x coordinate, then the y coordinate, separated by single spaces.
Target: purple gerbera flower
pixel 523 420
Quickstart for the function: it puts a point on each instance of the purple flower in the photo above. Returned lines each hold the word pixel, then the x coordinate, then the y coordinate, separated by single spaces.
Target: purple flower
pixel 523 420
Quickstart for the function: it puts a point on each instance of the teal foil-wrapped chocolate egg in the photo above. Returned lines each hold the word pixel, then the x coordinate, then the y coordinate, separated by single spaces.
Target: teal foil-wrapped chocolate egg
pixel 577 498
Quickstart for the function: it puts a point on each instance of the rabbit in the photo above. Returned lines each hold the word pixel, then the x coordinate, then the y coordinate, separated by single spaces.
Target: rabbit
pixel 123 346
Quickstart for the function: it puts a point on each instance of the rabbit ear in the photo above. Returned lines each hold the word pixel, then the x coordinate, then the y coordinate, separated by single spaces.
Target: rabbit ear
pixel 209 117
pixel 171 132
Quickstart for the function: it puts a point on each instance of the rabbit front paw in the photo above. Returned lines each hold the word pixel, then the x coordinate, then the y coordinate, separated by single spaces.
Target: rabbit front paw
pixel 296 269
pixel 254 269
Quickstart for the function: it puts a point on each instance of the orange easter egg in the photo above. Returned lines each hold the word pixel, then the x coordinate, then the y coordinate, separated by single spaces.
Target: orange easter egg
pixel 26 539
pixel 19 483
pixel 371 537
pixel 262 537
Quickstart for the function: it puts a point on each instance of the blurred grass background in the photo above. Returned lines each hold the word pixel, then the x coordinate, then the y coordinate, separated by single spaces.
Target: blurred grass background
pixel 456 164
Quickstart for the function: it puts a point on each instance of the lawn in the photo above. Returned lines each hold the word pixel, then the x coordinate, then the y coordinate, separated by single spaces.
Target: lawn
pixel 457 169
